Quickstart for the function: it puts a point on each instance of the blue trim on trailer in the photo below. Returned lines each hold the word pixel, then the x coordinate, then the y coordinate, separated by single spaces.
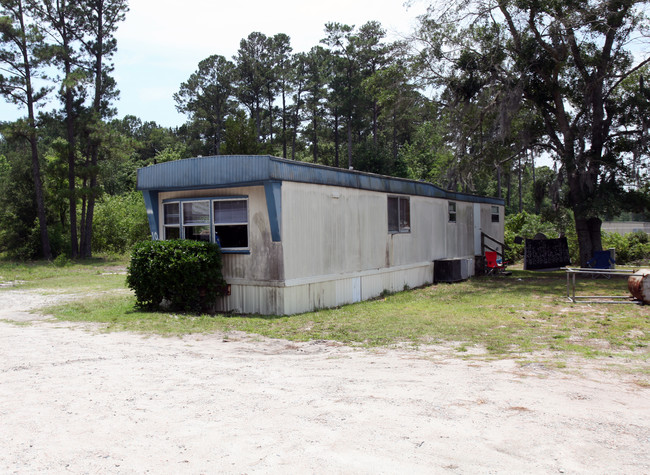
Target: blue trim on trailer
pixel 245 170
pixel 151 203
pixel 273 191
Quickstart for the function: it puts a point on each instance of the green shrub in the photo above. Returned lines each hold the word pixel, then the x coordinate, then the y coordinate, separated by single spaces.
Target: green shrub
pixel 632 248
pixel 119 222
pixel 187 274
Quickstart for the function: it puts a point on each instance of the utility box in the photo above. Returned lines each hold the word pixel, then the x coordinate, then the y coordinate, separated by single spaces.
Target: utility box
pixel 451 270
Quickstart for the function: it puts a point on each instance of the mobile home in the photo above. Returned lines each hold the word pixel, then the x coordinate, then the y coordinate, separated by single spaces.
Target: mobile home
pixel 297 236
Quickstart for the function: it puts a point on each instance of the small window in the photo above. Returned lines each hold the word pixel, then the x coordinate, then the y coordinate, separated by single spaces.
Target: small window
pixel 171 220
pixel 399 215
pixel 495 214
pixel 231 223
pixel 452 212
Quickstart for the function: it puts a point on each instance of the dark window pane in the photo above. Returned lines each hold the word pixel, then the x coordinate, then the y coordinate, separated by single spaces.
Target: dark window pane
pixel 172 233
pixel 231 236
pixel 171 213
pixel 230 212
pixel 404 215
pixel 197 233
pixel 393 215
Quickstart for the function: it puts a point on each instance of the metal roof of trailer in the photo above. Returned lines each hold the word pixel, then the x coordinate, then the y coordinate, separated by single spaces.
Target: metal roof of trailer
pixel 244 170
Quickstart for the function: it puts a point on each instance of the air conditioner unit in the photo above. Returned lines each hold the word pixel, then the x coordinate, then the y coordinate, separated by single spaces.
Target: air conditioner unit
pixel 451 270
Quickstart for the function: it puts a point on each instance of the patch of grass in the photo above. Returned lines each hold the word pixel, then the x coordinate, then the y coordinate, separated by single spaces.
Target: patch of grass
pixel 85 275
pixel 523 313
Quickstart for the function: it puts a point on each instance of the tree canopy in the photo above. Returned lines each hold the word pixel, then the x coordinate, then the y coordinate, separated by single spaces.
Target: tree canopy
pixel 482 92
pixel 550 76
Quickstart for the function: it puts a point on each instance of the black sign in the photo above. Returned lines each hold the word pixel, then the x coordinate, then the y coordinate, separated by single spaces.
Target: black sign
pixel 546 253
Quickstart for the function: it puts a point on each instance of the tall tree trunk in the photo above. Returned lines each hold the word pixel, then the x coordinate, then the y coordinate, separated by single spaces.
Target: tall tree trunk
pixel 40 200
pixel 217 137
pixel 284 125
pixel 33 142
pixel 395 147
pixel 349 127
pixel 82 224
pixel 532 164
pixel 90 211
pixel 508 187
pixel 499 191
pixel 336 137
pixel 258 123
pixel 70 129
pixel 315 137
pixel 87 232
pixel 295 122
pixel 589 237
pixel 294 133
pixel 72 185
pixel 521 202
pixel 270 119
pixel 374 123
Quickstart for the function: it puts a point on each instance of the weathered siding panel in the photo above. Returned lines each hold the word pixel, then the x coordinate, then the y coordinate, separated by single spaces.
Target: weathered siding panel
pixel 330 231
pixel 396 280
pixel 252 299
pixel 460 234
pixel 343 290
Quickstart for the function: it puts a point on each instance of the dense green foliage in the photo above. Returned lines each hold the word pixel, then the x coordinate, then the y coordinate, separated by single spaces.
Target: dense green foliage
pixel 68 47
pixel 632 248
pixel 187 274
pixel 120 222
pixel 467 105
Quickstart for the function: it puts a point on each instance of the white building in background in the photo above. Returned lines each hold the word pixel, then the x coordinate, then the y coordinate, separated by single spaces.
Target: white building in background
pixel 625 227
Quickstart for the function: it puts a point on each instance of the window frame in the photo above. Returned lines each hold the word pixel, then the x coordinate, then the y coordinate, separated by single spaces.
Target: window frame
pixel 452 211
pixel 495 214
pixel 173 225
pixel 211 223
pixel 214 224
pixel 400 228
pixel 184 225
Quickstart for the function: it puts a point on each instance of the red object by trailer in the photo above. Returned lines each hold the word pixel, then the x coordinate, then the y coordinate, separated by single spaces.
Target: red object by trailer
pixel 492 263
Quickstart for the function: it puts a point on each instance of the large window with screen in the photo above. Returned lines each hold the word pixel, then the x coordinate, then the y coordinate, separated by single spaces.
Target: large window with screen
pixel 220 220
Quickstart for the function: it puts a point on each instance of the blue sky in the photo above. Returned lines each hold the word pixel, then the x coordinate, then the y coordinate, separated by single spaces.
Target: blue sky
pixel 161 41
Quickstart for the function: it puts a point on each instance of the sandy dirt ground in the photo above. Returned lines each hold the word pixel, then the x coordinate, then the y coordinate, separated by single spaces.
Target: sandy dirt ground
pixel 75 399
